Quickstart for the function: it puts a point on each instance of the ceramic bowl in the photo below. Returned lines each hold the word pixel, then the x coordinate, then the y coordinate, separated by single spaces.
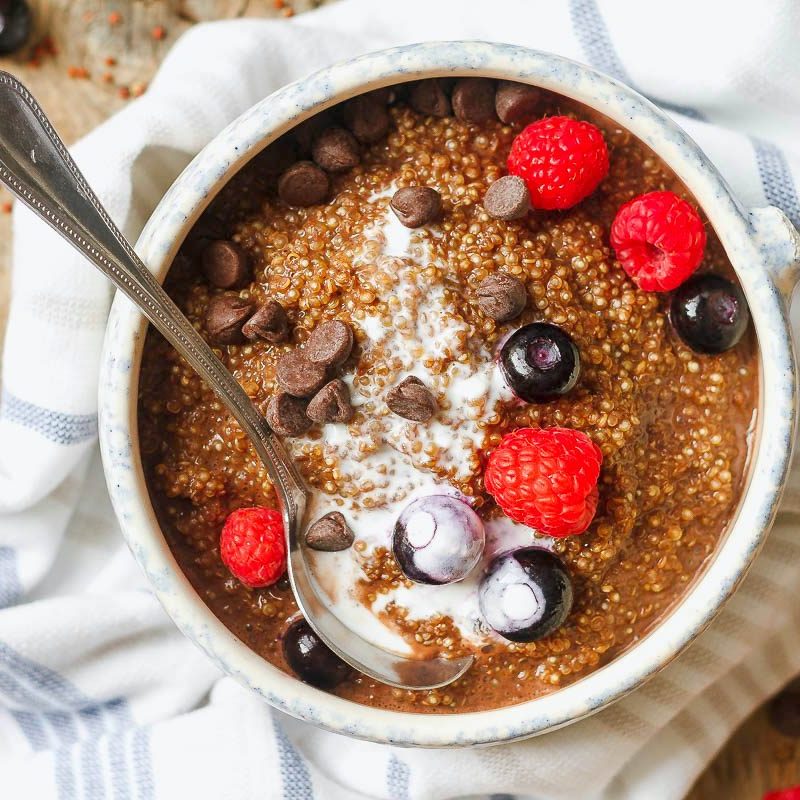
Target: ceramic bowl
pixel 761 244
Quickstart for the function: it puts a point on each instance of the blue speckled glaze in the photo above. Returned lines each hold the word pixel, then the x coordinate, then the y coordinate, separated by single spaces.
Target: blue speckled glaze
pixel 763 248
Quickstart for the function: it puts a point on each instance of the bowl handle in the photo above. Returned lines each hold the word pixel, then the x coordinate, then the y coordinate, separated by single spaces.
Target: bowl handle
pixel 779 243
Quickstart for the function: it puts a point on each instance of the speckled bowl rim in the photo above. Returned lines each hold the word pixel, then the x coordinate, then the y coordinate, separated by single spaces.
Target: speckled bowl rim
pixel 757 243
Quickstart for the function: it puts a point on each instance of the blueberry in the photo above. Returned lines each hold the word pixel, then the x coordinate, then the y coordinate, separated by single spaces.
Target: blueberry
pixel 15 25
pixel 709 313
pixel 311 659
pixel 525 594
pixel 540 361
pixel 438 539
pixel 784 712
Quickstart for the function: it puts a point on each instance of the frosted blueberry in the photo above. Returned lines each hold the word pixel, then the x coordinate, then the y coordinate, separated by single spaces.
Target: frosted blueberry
pixel 438 539
pixel 525 594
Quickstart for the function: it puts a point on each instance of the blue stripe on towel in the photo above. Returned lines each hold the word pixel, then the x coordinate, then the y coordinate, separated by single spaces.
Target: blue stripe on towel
pixel 66 429
pixel 122 727
pixel 36 723
pixel 21 694
pixel 776 177
pixel 56 690
pixel 30 724
pixel 120 784
pixel 92 767
pixel 295 776
pixel 143 764
pixel 10 585
pixel 57 706
pixel 66 730
pixel 398 778
pixel 592 33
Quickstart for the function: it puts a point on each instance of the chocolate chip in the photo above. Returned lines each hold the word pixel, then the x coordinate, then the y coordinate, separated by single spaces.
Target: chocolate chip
pixel 275 158
pixel 367 117
pixel 303 184
pixel 784 713
pixel 286 415
pixel 428 97
pixel 299 376
pixel 331 403
pixel 416 205
pixel 207 229
pixel 305 133
pixel 516 102
pixel 225 264
pixel 335 150
pixel 412 400
pixel 225 316
pixel 473 100
pixel 330 343
pixel 507 198
pixel 502 297
pixel 269 323
pixel 386 95
pixel 330 533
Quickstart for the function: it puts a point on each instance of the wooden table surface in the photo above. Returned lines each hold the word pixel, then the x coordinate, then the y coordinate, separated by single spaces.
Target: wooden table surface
pixel 86 35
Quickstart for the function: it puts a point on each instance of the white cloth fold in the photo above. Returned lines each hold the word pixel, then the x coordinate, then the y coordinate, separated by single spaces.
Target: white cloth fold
pixel 100 696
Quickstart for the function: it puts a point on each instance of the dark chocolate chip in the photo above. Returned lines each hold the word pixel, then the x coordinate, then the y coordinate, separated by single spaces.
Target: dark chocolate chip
pixel 269 323
pixel 330 533
pixel 305 133
pixel 507 198
pixel 207 229
pixel 367 117
pixel 331 403
pixel 225 316
pixel 417 205
pixel 275 158
pixel 429 97
pixel 412 400
pixel 502 297
pixel 784 713
pixel 473 100
pixel 299 376
pixel 335 150
pixel 330 343
pixel 225 264
pixel 286 415
pixel 386 95
pixel 517 102
pixel 303 184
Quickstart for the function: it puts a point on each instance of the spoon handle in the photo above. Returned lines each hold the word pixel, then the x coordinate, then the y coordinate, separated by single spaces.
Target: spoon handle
pixel 35 165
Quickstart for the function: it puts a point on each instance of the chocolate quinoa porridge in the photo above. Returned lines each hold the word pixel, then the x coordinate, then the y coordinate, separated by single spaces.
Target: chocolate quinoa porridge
pixel 372 294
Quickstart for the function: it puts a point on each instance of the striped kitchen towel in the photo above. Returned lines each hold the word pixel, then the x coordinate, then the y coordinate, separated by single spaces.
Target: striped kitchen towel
pixel 100 696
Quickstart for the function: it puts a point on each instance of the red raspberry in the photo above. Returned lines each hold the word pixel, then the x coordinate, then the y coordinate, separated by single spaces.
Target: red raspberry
pixel 546 478
pixel 252 545
pixel 659 240
pixel 793 793
pixel 561 160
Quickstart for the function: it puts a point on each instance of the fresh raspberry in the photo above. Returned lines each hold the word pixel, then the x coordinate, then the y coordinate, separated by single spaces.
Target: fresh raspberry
pixel 561 160
pixel 659 240
pixel 546 478
pixel 252 545
pixel 792 793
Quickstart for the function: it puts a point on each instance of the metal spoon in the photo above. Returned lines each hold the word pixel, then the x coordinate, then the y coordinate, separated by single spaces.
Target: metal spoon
pixel 36 166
